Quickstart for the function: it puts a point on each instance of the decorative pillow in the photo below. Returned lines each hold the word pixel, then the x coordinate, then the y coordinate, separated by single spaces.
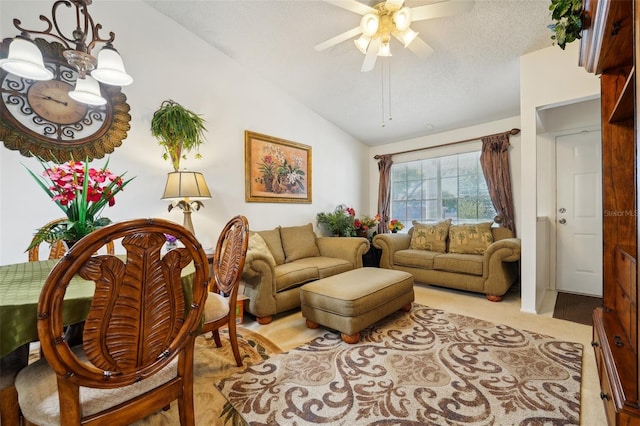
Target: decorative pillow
pixel 430 237
pixel 257 244
pixel 472 238
pixel 272 238
pixel 299 242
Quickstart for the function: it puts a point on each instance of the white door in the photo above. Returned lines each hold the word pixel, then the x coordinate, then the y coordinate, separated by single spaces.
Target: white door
pixel 579 213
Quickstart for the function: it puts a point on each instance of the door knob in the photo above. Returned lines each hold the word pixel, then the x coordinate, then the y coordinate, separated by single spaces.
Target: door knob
pixel 562 210
pixel 562 221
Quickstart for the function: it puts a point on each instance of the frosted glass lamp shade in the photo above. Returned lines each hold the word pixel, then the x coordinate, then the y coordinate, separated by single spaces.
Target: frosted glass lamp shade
pixel 369 24
pixel 402 19
pixel 186 184
pixel 362 43
pixel 111 69
pixel 385 49
pixel 25 60
pixel 87 91
pixel 407 36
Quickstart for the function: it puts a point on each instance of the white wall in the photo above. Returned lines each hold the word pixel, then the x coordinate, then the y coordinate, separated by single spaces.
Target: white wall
pixel 548 78
pixel 168 62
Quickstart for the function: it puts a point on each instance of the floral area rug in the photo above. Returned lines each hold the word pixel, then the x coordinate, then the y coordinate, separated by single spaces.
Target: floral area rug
pixel 425 367
pixel 211 365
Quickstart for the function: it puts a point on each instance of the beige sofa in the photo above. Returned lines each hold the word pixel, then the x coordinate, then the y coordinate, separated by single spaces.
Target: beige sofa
pixel 281 260
pixel 476 257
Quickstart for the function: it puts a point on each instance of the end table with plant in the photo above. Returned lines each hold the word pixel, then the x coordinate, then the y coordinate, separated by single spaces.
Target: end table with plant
pixel 82 193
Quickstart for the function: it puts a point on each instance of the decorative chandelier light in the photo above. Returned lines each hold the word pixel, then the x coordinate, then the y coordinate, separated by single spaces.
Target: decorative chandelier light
pixel 25 59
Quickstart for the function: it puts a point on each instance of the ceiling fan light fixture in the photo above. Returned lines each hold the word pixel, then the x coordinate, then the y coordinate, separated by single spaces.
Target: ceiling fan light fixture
pixel 385 49
pixel 407 36
pixel 402 19
pixel 363 43
pixel 369 24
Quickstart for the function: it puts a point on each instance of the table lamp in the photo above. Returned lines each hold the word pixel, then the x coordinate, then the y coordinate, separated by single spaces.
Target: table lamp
pixel 189 188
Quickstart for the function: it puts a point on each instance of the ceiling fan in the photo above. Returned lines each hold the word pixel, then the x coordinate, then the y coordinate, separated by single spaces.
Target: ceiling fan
pixel 389 18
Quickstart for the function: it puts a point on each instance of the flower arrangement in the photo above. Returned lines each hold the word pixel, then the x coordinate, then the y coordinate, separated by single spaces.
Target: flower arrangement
pixel 81 192
pixel 567 15
pixel 366 223
pixel 341 222
pixel 395 225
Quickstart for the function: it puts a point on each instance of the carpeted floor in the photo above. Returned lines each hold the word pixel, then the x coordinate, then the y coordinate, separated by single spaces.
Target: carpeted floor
pixel 426 367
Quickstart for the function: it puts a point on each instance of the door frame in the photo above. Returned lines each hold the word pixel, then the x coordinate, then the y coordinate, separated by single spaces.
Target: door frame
pixel 553 219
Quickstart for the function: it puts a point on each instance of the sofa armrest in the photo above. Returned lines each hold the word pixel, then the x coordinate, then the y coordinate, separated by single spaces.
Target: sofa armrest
pixel 259 279
pixel 350 249
pixel 508 250
pixel 389 244
pixel 499 267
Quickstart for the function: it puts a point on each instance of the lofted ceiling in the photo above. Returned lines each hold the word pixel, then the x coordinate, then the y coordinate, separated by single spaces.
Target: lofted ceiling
pixel 472 77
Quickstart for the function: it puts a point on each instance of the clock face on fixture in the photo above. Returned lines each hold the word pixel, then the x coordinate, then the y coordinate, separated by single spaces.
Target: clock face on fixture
pixel 39 118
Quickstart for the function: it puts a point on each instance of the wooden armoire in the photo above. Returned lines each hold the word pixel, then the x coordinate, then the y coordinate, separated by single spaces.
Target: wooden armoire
pixel 609 48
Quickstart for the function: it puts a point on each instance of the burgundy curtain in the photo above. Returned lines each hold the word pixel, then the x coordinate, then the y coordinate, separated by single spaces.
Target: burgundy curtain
pixel 495 167
pixel 384 193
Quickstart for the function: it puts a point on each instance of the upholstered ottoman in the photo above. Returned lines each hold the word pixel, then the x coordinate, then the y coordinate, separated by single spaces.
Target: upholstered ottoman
pixel 353 300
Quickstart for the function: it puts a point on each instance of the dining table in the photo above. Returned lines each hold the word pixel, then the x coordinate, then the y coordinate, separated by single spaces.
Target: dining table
pixel 20 287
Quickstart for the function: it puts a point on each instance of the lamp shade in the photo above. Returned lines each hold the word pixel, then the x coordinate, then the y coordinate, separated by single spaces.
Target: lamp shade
pixel 185 184
pixel 25 60
pixel 111 69
pixel 87 91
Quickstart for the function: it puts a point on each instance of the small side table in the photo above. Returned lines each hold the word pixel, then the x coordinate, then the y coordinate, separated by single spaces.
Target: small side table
pixel 371 259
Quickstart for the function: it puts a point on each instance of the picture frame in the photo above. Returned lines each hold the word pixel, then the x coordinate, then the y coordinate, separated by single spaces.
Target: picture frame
pixel 276 170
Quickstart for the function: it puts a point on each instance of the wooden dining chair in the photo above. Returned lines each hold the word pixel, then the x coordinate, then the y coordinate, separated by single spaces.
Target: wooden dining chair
pixel 228 262
pixel 137 346
pixel 57 248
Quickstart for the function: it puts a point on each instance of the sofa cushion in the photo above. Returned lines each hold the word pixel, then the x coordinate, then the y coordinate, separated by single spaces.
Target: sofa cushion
pixel 415 258
pixel 298 242
pixel 327 266
pixel 472 238
pixel 289 275
pixel 272 238
pixel 462 263
pixel 432 237
pixel 257 244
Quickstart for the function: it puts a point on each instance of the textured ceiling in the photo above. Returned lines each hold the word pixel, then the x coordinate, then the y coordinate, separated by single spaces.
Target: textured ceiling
pixel 472 77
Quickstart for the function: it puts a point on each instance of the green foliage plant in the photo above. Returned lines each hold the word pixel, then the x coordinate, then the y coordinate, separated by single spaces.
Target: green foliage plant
pixel 340 222
pixel 178 131
pixel 567 15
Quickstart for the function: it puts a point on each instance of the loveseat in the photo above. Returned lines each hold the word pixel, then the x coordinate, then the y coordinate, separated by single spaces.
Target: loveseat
pixel 475 257
pixel 281 260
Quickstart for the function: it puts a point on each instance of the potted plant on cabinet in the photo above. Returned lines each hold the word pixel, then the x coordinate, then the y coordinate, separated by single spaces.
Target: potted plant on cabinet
pixel 178 131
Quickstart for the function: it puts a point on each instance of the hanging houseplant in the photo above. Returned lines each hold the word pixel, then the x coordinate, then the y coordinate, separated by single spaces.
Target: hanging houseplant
pixel 178 131
pixel 567 15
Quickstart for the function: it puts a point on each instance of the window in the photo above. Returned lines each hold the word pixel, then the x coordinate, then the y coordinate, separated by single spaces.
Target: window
pixel 439 188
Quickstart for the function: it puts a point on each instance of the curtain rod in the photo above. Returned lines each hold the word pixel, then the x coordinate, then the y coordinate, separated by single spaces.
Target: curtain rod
pixel 511 132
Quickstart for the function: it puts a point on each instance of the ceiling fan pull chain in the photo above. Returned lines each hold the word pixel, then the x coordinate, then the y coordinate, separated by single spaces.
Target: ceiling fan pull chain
pixel 389 87
pixel 383 124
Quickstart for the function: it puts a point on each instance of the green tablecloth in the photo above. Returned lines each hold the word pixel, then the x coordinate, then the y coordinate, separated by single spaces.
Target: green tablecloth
pixel 20 287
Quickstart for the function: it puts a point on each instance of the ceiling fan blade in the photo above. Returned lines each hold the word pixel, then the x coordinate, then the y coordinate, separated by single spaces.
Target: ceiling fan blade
pixel 420 48
pixel 352 6
pixel 371 56
pixel 354 32
pixel 393 5
pixel 439 10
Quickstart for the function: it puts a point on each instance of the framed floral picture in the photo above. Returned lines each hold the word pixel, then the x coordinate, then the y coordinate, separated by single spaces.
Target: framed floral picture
pixel 276 170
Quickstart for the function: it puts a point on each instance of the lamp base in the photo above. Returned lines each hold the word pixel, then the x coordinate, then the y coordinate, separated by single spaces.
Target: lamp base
pixel 187 221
